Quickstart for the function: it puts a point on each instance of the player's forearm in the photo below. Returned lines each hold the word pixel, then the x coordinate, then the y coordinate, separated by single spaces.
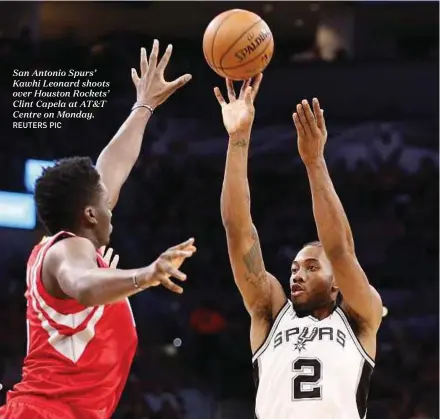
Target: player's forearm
pixel 331 222
pixel 119 156
pixel 235 196
pixel 104 286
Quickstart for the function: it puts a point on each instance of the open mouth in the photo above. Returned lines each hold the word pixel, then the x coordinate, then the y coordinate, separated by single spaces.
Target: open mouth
pixel 297 290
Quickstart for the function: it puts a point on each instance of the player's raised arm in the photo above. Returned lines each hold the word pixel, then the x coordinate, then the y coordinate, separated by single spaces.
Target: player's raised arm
pixel 72 262
pixel 119 156
pixel 332 224
pixel 262 294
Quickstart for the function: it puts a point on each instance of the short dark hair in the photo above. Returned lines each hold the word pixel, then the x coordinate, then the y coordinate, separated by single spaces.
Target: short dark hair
pixel 64 190
pixel 315 243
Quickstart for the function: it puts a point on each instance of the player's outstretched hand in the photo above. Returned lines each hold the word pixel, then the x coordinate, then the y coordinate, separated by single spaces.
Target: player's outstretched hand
pixel 239 113
pixel 151 87
pixel 167 265
pixel 107 256
pixel 311 130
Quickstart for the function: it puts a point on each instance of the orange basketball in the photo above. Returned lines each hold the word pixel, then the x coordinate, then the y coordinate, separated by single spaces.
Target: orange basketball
pixel 238 44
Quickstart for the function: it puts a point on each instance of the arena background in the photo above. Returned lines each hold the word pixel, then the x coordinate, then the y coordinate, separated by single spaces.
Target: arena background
pixel 374 67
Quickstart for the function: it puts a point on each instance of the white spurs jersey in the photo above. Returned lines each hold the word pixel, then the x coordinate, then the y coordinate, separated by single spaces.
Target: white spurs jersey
pixel 311 369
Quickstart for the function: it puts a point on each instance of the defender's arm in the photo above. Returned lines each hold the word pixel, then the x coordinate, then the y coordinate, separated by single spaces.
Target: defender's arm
pixel 118 158
pixel 72 262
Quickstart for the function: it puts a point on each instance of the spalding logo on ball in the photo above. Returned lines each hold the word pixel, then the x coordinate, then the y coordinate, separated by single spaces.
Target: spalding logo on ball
pixel 238 44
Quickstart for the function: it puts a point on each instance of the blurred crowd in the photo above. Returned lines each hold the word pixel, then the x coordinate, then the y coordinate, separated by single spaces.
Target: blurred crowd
pixel 194 360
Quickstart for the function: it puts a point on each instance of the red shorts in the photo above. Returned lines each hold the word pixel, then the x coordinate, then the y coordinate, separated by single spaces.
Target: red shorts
pixel 30 407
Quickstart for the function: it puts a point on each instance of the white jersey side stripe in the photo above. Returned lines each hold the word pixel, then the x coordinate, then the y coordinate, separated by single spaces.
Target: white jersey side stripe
pixel 277 320
pixel 69 320
pixel 72 347
pixel 353 336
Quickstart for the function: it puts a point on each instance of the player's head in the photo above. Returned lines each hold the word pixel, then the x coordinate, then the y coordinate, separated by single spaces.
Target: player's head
pixel 311 282
pixel 70 196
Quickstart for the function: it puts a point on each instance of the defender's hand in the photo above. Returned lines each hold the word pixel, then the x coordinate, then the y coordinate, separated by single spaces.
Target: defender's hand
pixel 151 87
pixel 238 114
pixel 167 265
pixel 311 130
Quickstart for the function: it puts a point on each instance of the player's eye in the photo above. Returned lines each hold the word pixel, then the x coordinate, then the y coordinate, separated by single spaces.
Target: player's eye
pixel 313 268
pixel 294 271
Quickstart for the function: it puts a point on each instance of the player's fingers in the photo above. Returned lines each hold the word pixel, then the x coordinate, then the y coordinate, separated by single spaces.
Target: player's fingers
pixel 309 114
pixel 182 245
pixel 108 255
pixel 167 283
pixel 134 76
pixel 244 86
pixel 175 273
pixel 231 91
pixel 165 59
pixel 219 96
pixel 115 262
pixel 175 254
pixel 302 118
pixel 144 62
pixel 248 95
pixel 319 115
pixel 256 85
pixel 179 82
pixel 168 269
pixel 298 125
pixel 152 62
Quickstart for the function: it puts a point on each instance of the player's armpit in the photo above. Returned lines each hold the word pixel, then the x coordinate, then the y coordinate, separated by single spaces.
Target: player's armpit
pixel 262 294
pixel 357 292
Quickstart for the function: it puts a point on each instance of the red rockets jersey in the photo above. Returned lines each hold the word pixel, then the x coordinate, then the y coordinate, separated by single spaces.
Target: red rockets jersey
pixel 79 356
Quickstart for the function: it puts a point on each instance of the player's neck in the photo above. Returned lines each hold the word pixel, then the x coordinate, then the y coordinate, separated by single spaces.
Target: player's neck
pixel 323 312
pixel 88 234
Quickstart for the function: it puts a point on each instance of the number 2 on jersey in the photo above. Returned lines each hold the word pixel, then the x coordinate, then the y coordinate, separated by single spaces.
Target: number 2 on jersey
pixel 308 375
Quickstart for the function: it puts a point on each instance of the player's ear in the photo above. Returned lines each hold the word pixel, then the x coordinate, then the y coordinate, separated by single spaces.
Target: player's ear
pixel 335 287
pixel 91 215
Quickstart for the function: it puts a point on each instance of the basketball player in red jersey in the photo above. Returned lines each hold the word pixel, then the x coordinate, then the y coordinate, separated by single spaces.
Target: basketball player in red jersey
pixel 81 332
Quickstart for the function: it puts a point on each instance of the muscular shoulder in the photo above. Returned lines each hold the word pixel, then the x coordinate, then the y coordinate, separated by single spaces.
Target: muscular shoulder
pixel 69 247
pixel 64 253
pixel 268 310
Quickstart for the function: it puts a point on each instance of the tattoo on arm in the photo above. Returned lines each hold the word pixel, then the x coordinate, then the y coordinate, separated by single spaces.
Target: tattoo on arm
pixel 240 143
pixel 253 260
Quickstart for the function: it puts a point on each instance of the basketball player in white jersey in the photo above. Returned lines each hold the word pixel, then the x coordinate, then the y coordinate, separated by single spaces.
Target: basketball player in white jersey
pixel 313 353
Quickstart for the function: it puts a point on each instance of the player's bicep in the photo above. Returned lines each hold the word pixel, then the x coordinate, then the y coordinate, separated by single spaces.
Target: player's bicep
pixel 69 263
pixel 356 290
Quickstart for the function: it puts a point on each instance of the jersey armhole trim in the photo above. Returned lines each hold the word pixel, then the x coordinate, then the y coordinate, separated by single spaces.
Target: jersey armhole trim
pixel 275 324
pixel 362 351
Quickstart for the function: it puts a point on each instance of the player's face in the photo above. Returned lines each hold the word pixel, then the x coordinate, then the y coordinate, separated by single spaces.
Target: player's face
pixel 103 216
pixel 311 280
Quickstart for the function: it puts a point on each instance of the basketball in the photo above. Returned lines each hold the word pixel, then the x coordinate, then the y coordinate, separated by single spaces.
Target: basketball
pixel 238 44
